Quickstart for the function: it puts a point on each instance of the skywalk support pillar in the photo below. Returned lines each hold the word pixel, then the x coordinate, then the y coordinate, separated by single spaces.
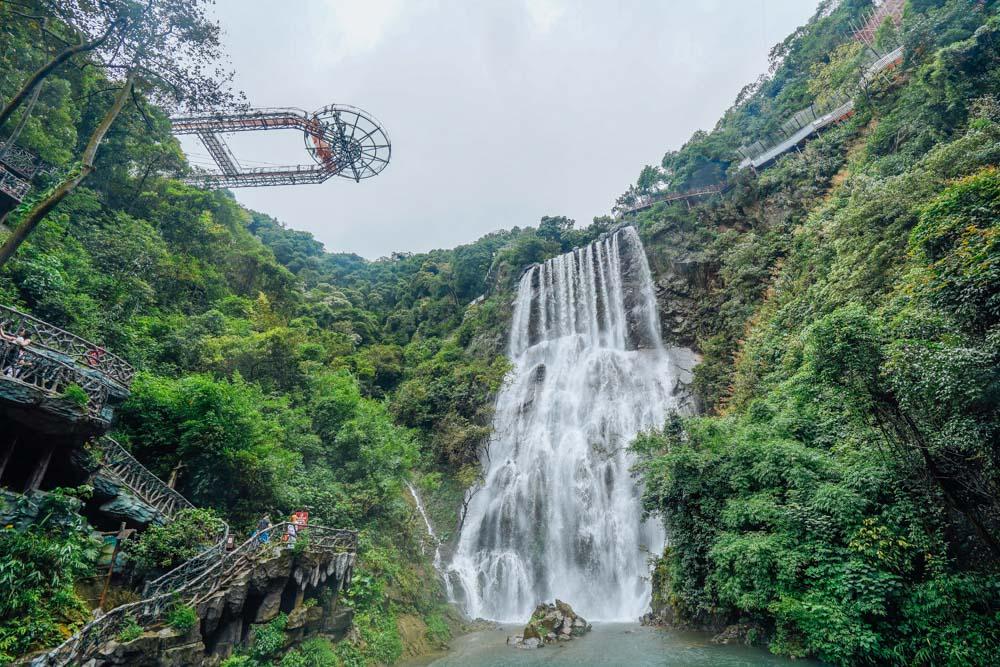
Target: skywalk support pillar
pixel 5 455
pixel 41 468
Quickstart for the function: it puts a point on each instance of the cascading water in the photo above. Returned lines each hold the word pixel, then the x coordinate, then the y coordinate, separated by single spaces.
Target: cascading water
pixel 559 513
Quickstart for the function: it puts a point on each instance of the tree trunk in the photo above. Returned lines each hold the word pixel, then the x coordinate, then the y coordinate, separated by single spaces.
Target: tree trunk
pixel 43 207
pixel 12 139
pixel 47 69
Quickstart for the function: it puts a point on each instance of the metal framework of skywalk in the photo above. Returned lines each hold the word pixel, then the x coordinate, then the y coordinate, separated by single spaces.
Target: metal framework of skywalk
pixel 341 140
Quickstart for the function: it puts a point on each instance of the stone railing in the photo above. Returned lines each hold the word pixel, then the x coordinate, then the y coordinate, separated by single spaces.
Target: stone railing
pixel 191 585
pixel 13 185
pixel 197 578
pixel 19 160
pixel 78 349
pixel 29 367
pixel 119 464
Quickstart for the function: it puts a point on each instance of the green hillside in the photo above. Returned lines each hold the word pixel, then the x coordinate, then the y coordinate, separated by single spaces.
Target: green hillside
pixel 838 497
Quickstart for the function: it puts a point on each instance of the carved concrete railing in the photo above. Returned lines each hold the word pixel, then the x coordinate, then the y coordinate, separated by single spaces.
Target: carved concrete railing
pixel 191 569
pixel 13 185
pixel 119 464
pixel 79 349
pixel 196 584
pixel 53 377
pixel 23 162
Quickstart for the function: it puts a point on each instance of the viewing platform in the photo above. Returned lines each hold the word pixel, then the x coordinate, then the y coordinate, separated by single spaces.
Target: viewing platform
pixel 56 382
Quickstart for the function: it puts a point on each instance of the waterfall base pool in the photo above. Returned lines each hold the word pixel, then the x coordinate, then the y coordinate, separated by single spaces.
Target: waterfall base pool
pixel 608 645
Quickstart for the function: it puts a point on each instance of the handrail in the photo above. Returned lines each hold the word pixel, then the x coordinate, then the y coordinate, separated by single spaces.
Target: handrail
pixel 79 349
pixel 28 367
pixel 196 578
pixel 19 160
pixel 13 185
pixel 767 153
pixel 198 586
pixel 648 201
pixel 122 466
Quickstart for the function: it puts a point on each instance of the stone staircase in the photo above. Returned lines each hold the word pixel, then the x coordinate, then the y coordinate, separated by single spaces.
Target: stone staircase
pixel 330 552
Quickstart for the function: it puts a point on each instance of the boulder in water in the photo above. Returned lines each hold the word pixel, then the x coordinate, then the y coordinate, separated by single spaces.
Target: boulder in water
pixel 551 623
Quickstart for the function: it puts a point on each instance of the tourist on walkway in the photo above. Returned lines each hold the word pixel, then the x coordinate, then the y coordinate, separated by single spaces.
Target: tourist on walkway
pixel 291 531
pixel 14 361
pixel 94 356
pixel 263 529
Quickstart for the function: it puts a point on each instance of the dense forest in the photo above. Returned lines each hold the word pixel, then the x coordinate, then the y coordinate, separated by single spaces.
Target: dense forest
pixel 838 493
pixel 840 496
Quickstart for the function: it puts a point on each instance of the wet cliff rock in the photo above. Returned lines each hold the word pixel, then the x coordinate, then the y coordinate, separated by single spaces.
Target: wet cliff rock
pixel 683 276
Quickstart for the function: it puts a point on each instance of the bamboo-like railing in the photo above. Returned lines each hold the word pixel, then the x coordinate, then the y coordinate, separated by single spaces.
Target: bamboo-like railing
pixel 80 350
pixel 119 464
pixel 190 585
pixel 31 368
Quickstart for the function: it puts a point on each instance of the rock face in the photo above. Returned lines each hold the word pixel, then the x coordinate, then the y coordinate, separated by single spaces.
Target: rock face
pixel 550 623
pixel 228 619
pixel 683 278
pixel 118 503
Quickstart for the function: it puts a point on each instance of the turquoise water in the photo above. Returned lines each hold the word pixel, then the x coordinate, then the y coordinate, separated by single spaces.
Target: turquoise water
pixel 608 645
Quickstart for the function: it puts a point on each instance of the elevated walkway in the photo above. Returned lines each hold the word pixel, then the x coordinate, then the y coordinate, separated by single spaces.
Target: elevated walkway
pixel 200 578
pixel 59 382
pixel 757 156
pixel 647 202
pixel 72 348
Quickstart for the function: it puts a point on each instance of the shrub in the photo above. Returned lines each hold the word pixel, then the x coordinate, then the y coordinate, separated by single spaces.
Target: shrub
pixel 238 661
pixel 130 631
pixel 437 628
pixel 312 653
pixel 75 394
pixel 37 571
pixel 182 618
pixel 269 639
pixel 161 548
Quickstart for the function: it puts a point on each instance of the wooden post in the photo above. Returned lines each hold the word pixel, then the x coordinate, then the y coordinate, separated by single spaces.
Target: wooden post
pixel 6 455
pixel 121 537
pixel 172 480
pixel 40 469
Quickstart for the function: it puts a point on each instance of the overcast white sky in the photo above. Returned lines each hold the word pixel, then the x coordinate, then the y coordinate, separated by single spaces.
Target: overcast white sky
pixel 499 112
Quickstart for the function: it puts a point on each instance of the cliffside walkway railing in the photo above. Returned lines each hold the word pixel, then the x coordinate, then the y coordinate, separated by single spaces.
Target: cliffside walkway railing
pixel 121 466
pixel 17 167
pixel 757 155
pixel 79 350
pixel 198 578
pixel 649 201
pixel 51 376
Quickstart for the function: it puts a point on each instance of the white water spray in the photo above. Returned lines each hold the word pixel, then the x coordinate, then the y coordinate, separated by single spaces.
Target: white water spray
pixel 559 513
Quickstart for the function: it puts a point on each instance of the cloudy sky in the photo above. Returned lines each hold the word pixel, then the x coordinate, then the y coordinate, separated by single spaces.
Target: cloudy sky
pixel 499 111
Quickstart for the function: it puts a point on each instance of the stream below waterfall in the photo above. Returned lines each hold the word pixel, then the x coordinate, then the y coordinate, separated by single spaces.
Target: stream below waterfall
pixel 608 645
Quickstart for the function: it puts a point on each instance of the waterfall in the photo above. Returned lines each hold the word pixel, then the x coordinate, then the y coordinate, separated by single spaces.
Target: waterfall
pixel 422 511
pixel 558 513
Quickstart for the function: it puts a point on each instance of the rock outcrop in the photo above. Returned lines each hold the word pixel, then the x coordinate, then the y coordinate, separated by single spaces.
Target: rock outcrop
pixel 303 586
pixel 551 623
